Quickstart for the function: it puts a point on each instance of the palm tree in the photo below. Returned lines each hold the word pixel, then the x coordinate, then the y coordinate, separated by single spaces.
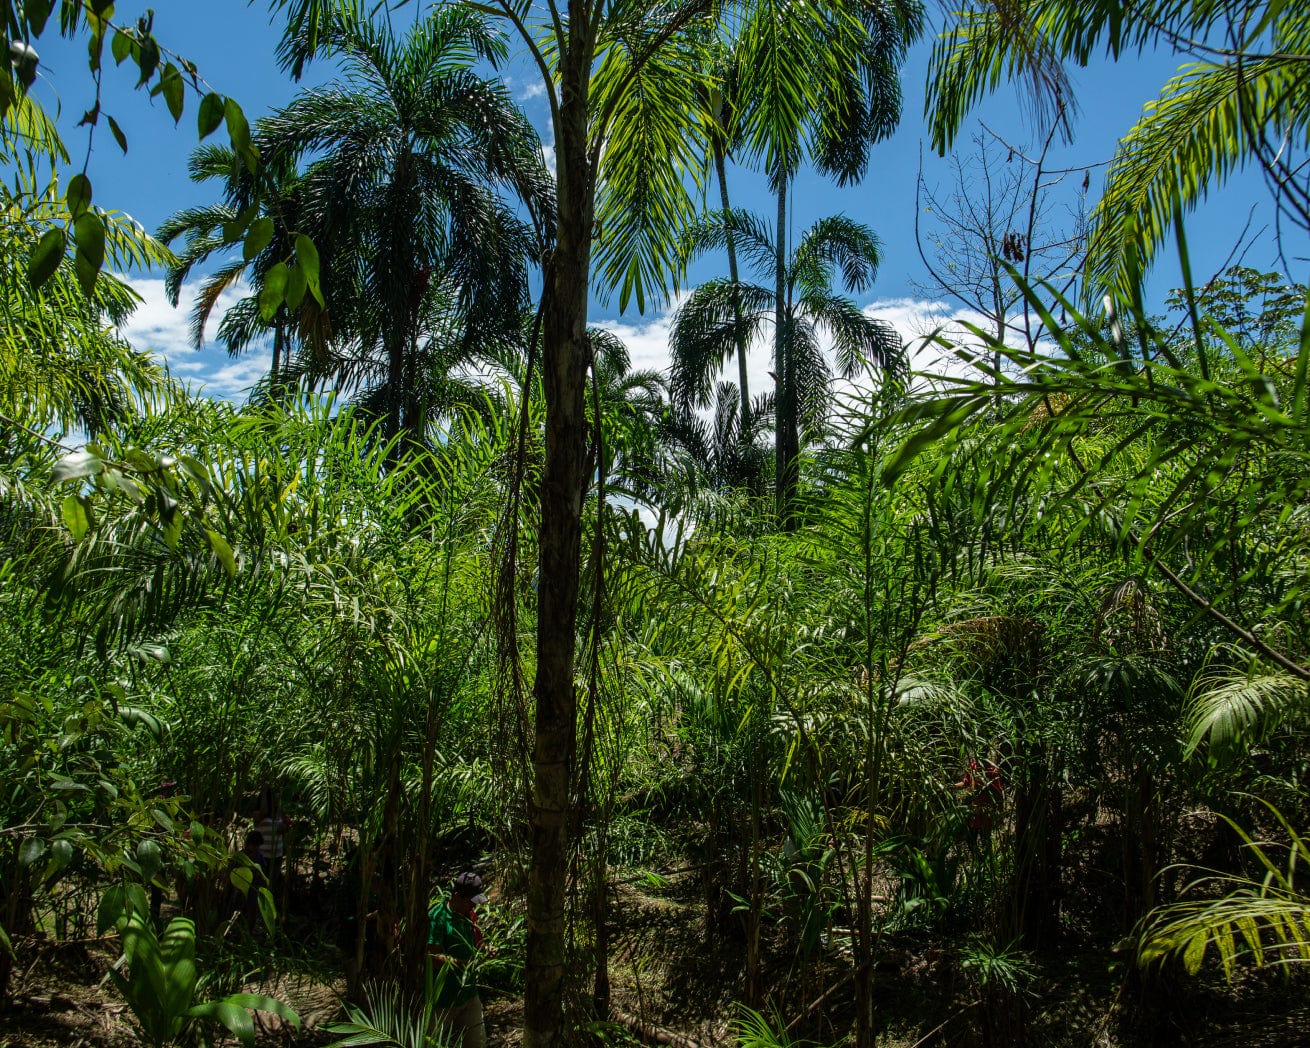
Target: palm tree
pixel 721 314
pixel 820 80
pixel 205 229
pixel 407 195
pixel 724 453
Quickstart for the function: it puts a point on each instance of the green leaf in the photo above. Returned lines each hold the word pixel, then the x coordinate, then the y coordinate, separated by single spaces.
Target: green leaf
pixel 242 877
pixel 61 854
pixel 235 1018
pixel 76 511
pixel 148 59
pixel 274 291
pixel 267 910
pixel 260 1003
pixel 77 464
pixel 89 234
pixel 120 46
pixel 111 908
pixel 7 93
pixel 234 230
pixel 953 412
pixel 32 850
pixel 170 82
pixel 117 132
pixel 149 858
pixel 78 194
pixel 222 551
pixel 258 237
pixel 307 257
pixel 210 115
pixel 238 129
pixel 296 285
pixel 45 258
pixel 36 12
pixel 135 899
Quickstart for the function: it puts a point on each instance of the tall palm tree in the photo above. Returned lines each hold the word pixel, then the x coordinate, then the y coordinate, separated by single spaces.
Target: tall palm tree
pixel 721 314
pixel 415 156
pixel 818 81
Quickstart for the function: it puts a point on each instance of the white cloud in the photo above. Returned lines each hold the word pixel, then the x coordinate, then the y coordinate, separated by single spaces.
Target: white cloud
pixel 916 320
pixel 531 89
pixel 159 327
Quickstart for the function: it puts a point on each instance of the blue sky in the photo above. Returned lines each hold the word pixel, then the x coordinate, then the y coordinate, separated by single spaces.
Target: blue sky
pixel 233 44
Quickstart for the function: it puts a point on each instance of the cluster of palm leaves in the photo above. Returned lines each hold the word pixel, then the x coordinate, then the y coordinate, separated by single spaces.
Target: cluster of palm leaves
pixel 408 171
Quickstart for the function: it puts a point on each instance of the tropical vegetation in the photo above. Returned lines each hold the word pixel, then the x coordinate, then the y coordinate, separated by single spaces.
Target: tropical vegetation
pixel 965 707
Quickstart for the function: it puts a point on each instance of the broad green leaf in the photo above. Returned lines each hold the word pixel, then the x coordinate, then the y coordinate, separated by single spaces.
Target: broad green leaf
pixel 267 910
pixel 77 464
pixel 117 132
pixel 32 850
pixel 149 858
pixel 111 908
pixel 61 854
pixel 307 257
pixel 36 12
pixel 296 285
pixel 258 237
pixel 222 551
pixel 274 291
pixel 210 115
pixel 78 194
pixel 174 90
pixel 120 46
pixel 89 235
pixel 135 896
pixel 147 58
pixel 259 1003
pixel 238 129
pixel 235 1018
pixel 45 258
pixel 235 229
pixel 242 877
pixel 76 511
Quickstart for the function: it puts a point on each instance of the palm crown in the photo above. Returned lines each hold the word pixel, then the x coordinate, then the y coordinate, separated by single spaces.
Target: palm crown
pixel 707 327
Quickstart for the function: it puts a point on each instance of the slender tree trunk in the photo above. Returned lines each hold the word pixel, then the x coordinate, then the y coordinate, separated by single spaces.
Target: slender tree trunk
pixel 564 374
pixel 720 168
pixel 416 908
pixel 784 459
pixel 755 914
pixel 395 382
pixel 788 439
pixel 278 336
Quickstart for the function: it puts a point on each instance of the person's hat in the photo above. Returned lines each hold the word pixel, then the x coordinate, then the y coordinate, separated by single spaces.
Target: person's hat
pixel 469 885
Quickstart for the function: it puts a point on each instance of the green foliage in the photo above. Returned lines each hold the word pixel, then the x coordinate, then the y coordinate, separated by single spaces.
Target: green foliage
pixel 1005 968
pixel 1259 919
pixel 389 1019
pixel 160 986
